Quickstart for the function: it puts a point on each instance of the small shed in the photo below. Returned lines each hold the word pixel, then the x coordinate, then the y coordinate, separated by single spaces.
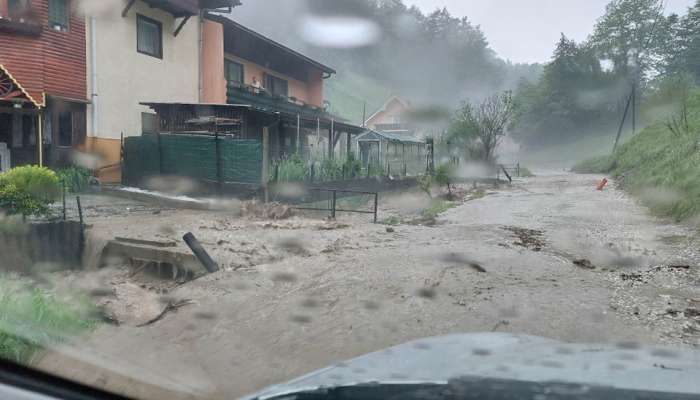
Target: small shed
pixel 390 150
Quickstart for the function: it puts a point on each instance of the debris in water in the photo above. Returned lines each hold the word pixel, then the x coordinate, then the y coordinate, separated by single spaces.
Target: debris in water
pixel 426 293
pixel 459 259
pixel 602 184
pixel 169 307
pixel 528 238
pixel 274 211
pixel 584 263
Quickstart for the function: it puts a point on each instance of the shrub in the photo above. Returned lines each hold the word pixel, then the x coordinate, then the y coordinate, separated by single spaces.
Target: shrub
pixel 330 170
pixel 28 190
pixel 40 182
pixel 352 166
pixel 291 169
pixel 14 201
pixel 425 182
pixel 75 179
pixel 444 176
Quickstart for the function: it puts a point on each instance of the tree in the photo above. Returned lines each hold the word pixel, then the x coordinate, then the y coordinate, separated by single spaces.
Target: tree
pixel 684 49
pixel 482 127
pixel 574 96
pixel 632 34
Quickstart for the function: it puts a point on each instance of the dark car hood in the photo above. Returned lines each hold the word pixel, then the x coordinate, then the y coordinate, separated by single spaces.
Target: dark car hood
pixel 511 357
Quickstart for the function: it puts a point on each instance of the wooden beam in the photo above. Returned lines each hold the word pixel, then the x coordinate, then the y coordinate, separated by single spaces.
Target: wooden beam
pixel 182 24
pixel 11 110
pixel 128 7
pixel 11 95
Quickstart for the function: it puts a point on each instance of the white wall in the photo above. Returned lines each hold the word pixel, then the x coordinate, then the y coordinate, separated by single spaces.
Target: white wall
pixel 127 77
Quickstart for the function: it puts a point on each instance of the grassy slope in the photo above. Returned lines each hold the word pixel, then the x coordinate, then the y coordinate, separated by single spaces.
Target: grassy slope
pixel 348 92
pixel 31 318
pixel 659 162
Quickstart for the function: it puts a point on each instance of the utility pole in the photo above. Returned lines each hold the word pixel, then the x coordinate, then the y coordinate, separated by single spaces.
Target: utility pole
pixel 364 114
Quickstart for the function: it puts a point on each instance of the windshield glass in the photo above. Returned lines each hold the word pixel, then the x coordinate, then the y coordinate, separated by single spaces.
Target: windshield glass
pixel 205 198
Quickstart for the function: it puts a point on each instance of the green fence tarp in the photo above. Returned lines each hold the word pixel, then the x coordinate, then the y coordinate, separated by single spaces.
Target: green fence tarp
pixel 192 156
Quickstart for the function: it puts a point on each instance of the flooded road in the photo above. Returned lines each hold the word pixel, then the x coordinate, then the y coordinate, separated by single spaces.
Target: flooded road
pixel 547 256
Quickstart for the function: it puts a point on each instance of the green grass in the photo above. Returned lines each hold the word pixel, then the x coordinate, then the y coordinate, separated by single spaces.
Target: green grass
pixel 32 319
pixel 392 220
pixel 660 162
pixel 438 207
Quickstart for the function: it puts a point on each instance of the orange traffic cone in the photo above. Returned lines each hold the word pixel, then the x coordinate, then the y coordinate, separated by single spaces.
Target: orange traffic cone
pixel 602 184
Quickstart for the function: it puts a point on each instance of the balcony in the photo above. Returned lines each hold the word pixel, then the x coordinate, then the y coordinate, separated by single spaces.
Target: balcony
pixel 261 99
pixel 20 25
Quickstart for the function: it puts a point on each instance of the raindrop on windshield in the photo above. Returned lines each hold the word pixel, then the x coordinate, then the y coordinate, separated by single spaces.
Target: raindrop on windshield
pixel 339 31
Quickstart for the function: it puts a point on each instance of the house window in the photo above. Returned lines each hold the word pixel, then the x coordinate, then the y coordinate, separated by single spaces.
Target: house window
pixel 276 86
pixel 234 72
pixel 149 36
pixel 65 129
pixel 59 14
pixel 17 9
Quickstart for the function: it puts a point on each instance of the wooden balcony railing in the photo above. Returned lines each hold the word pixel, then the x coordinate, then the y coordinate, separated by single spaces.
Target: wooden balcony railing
pixel 259 97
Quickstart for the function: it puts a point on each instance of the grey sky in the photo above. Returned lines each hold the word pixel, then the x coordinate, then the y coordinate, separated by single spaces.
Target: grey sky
pixel 526 30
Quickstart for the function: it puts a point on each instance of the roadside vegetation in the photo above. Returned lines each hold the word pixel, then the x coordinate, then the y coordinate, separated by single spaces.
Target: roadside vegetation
pixel 295 169
pixel 75 179
pixel 578 100
pixel 661 164
pixel 28 191
pixel 32 319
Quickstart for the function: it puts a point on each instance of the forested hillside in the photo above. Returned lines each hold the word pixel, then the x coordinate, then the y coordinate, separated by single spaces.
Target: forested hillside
pixel 431 59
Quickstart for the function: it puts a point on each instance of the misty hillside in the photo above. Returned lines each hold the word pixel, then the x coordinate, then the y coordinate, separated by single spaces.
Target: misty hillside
pixel 434 59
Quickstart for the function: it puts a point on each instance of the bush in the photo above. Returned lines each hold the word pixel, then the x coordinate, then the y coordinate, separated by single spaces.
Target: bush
pixel 352 166
pixel 39 182
pixel 444 176
pixel 330 170
pixel 75 179
pixel 14 201
pixel 28 190
pixel 425 183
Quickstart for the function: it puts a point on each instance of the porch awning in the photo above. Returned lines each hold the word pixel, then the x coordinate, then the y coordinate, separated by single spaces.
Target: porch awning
pixel 12 91
pixel 370 135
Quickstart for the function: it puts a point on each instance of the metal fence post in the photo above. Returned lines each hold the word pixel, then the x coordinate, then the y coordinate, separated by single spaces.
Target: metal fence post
pixel 333 204
pixel 63 184
pixel 80 210
pixel 219 166
pixel 518 166
pixel 376 202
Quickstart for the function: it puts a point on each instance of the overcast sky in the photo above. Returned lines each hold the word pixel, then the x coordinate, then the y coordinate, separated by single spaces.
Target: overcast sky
pixel 527 30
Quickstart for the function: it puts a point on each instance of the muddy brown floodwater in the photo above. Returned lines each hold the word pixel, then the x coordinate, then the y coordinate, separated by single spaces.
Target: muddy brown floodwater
pixel 299 294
